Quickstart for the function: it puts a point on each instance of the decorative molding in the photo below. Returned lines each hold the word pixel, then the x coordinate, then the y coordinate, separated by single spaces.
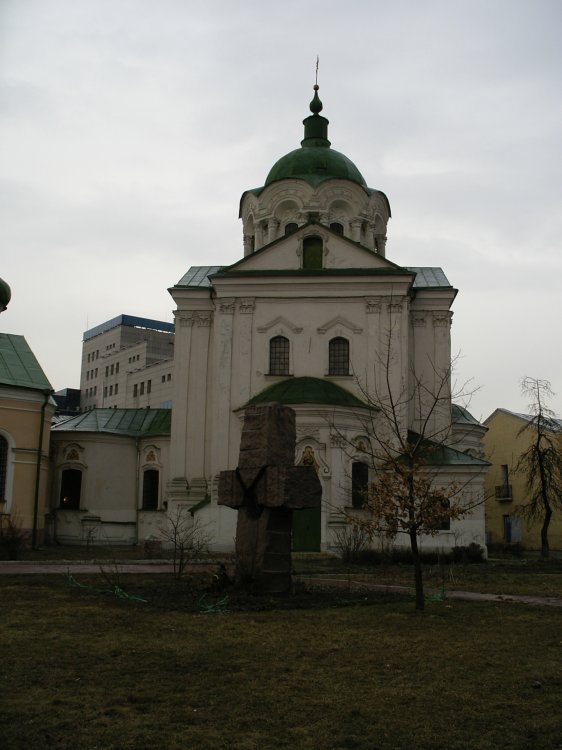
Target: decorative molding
pixel 418 319
pixel 203 319
pixel 279 320
pixel 311 452
pixel 337 440
pixel 341 321
pixel 246 306
pixel 308 431
pixel 441 318
pixel 185 318
pixel 373 304
pixel 227 305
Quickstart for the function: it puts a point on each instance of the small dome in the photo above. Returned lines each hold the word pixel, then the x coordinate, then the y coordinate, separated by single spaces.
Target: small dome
pixel 315 164
pixel 315 161
pixel 5 295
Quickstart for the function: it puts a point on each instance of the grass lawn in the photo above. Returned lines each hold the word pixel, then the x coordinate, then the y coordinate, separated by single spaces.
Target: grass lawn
pixel 83 670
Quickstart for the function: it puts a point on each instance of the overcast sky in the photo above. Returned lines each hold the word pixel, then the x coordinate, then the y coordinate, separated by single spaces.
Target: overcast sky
pixel 130 128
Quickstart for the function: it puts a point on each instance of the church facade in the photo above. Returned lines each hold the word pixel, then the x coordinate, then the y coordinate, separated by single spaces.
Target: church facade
pixel 316 316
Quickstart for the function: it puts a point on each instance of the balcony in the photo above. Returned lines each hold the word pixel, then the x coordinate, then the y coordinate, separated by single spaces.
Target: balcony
pixel 503 493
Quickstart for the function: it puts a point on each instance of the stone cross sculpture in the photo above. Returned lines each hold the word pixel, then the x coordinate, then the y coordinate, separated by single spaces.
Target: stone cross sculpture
pixel 265 489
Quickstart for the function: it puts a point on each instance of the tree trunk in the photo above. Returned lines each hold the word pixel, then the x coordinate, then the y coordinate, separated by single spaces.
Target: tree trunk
pixel 545 550
pixel 420 602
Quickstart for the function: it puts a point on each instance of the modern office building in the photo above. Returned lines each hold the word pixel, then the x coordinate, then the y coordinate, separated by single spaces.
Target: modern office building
pixel 127 363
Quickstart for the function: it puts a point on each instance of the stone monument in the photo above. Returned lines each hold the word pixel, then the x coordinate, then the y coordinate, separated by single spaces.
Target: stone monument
pixel 265 489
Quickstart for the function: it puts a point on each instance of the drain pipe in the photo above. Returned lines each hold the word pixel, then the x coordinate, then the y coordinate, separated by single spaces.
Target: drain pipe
pixel 137 493
pixel 47 395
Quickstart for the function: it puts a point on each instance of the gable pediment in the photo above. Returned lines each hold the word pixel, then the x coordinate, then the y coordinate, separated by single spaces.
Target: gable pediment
pixel 280 321
pixel 339 322
pixel 339 253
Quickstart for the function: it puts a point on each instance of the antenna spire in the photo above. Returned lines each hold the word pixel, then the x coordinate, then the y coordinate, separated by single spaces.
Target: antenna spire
pixel 317 63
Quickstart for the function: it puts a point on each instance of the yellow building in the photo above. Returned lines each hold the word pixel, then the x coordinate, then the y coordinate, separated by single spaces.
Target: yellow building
pixel 506 489
pixel 26 410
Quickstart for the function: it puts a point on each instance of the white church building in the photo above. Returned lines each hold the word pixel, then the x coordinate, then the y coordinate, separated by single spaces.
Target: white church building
pixel 315 316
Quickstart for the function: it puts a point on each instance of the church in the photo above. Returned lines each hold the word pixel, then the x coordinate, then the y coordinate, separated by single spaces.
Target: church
pixel 314 315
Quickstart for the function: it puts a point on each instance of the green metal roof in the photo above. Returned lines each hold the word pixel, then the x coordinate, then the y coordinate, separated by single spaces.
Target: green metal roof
pixel 18 365
pixel 437 454
pixel 314 164
pixel 460 415
pixel 426 278
pixel 198 276
pixel 307 391
pixel 129 422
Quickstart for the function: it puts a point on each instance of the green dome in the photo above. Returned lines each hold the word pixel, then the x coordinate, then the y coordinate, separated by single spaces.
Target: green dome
pixel 315 161
pixel 307 391
pixel 315 164
pixel 5 295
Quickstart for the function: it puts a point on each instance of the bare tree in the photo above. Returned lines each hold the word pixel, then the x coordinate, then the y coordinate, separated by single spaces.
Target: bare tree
pixel 187 536
pixel 541 462
pixel 412 488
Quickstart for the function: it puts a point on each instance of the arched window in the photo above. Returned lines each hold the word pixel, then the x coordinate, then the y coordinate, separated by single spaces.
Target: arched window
pixel 279 356
pixel 312 251
pixel 3 468
pixel 338 361
pixel 336 227
pixel 150 483
pixel 70 489
pixel 291 228
pixel 359 483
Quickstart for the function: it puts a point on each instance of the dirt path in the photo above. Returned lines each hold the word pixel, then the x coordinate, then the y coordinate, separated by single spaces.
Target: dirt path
pixel 549 601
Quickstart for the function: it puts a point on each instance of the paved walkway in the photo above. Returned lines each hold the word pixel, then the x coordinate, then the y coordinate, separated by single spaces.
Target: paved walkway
pixel 8 567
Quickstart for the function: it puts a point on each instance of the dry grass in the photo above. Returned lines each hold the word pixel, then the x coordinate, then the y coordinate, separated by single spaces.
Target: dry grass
pixel 86 670
pixel 530 576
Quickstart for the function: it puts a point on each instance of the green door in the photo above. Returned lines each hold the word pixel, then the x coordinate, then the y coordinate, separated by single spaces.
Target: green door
pixel 306 530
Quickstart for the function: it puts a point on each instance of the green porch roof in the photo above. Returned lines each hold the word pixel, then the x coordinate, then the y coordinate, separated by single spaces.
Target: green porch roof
pixel 18 365
pixel 307 391
pixel 128 422
pixel 437 454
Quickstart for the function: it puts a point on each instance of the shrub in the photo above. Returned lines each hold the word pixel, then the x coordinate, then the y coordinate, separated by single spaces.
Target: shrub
pixel 12 539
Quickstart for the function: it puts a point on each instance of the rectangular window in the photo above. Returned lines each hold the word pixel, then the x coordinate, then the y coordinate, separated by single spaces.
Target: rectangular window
pixel 135 390
pixel 117 368
pixel 163 378
pixel 96 372
pixel 148 386
pixel 88 357
pixel 359 483
pixel 107 371
pixel 88 375
pixel 104 391
pixel 169 377
pixel 112 369
pixel 142 388
pixel 95 390
pixel 111 390
pixel 116 388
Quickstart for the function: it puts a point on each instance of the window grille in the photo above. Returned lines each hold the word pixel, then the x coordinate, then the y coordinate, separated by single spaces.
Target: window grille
pixel 338 356
pixel 279 356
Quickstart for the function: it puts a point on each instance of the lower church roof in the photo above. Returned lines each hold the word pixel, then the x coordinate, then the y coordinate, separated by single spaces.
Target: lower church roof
pixel 307 390
pixel 128 422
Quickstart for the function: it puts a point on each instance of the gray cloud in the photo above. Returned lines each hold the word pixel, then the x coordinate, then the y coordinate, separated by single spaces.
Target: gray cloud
pixel 130 129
